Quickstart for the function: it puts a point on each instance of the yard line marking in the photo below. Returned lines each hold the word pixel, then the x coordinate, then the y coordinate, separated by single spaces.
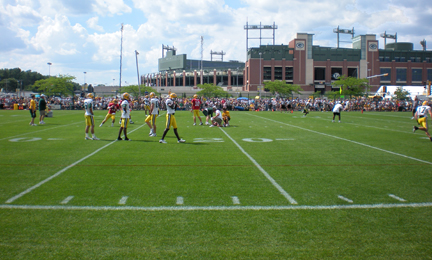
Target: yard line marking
pixel 61 171
pixel 351 141
pixel 45 129
pixel 123 200
pixel 218 208
pixel 275 184
pixel 179 201
pixel 345 199
pixel 235 200
pixel 396 197
pixel 66 201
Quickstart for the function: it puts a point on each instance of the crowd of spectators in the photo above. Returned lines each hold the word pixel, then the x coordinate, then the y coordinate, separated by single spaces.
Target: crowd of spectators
pixel 264 104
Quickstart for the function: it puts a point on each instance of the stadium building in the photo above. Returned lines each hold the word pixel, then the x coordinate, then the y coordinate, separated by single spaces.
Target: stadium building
pixel 300 62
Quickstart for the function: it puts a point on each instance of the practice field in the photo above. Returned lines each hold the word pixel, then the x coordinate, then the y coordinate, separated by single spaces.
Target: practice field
pixel 271 186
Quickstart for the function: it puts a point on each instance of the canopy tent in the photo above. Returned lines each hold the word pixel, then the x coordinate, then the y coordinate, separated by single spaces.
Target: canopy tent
pixel 390 90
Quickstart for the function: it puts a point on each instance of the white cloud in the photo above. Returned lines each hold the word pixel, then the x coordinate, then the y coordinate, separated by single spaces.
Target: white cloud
pixel 110 7
pixel 93 24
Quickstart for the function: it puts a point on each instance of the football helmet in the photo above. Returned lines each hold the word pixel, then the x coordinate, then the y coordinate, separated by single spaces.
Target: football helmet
pixel 425 103
pixel 146 96
pixel 90 95
pixel 173 95
pixel 125 95
pixel 152 94
pixel 114 101
pixel 195 96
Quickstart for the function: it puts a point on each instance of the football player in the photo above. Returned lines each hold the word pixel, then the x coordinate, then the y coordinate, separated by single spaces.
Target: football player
pixel 112 109
pixel 337 110
pixel 226 116
pixel 147 104
pixel 196 105
pixel 125 117
pixel 421 117
pixel 171 106
pixel 88 106
pixel 154 111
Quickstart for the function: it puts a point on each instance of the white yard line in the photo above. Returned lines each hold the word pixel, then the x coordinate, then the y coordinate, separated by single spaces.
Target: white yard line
pixel 218 208
pixel 61 171
pixel 123 200
pixel 45 129
pixel 396 197
pixel 275 184
pixel 345 199
pixel 66 201
pixel 235 200
pixel 179 201
pixel 347 140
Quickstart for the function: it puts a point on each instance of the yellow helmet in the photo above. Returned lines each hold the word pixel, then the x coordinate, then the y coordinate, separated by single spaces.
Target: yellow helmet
pixel 173 95
pixel 425 103
pixel 146 96
pixel 125 95
pixel 195 96
pixel 152 94
pixel 90 95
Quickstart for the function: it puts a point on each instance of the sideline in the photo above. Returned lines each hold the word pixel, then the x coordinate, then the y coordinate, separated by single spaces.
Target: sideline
pixel 63 170
pixel 343 139
pixel 220 208
pixel 275 184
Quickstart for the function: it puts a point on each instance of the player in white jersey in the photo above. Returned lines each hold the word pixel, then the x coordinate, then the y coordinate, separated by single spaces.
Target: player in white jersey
pixel 88 106
pixel 125 117
pixel 147 104
pixel 337 110
pixel 154 111
pixel 171 106
pixel 421 117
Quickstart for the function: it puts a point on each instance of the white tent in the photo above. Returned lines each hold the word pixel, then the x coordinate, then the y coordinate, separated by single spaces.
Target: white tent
pixel 390 90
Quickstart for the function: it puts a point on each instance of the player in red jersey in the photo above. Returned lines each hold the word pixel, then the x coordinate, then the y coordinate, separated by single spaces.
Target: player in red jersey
pixel 112 109
pixel 196 105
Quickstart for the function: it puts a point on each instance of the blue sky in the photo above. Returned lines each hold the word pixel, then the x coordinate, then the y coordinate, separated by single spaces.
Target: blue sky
pixel 84 35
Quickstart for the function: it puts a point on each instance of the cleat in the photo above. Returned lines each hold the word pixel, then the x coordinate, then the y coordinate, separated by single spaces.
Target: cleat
pixel 153 135
pixel 194 124
pixel 131 122
pixel 162 141
pixel 207 123
pixel 339 121
pixel 95 138
pixel 87 138
pixel 211 126
pixel 332 121
pixel 119 139
pixel 181 141
pixel 201 123
pixel 127 139
pixel 412 118
pixel 101 125
pixel 414 128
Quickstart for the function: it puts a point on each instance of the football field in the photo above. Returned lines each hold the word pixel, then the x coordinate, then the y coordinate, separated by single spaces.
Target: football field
pixel 271 186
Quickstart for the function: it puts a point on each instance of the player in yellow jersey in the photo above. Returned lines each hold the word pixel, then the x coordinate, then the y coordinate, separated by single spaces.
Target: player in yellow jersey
pixel 32 108
pixel 226 116
pixel 421 117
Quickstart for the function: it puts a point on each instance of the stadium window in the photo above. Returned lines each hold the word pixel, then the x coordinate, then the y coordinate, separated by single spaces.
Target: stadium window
pixel 401 74
pixel 386 58
pixel 267 73
pixel 278 73
pixel 381 58
pixel 417 74
pixel 384 71
pixel 320 74
pixel 402 59
pixel 428 60
pixel 418 59
pixel 397 59
pixel 289 73
pixel 352 72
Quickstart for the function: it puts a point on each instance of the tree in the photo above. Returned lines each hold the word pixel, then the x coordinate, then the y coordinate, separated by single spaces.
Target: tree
pixel 211 90
pixel 61 85
pixel 134 90
pixel 281 88
pixel 9 85
pixel 352 86
pixel 402 94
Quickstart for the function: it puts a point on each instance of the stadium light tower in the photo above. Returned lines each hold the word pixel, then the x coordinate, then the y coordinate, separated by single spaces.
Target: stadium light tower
pixel 49 68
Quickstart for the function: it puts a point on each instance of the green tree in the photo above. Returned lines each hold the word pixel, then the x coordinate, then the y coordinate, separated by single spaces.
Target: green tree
pixel 402 94
pixel 134 90
pixel 210 90
pixel 281 88
pixel 61 85
pixel 9 85
pixel 352 86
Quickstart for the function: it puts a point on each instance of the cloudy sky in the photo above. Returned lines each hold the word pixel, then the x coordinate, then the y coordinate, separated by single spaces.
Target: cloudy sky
pixel 79 36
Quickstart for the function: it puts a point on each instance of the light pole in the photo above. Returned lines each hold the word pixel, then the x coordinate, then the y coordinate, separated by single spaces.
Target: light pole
pixel 260 68
pixel 49 68
pixel 139 87
pixel 85 77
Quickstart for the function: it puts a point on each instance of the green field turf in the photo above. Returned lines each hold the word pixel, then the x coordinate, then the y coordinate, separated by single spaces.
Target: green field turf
pixel 271 186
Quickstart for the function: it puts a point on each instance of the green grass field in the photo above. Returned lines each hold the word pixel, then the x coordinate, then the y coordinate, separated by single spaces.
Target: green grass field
pixel 271 186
